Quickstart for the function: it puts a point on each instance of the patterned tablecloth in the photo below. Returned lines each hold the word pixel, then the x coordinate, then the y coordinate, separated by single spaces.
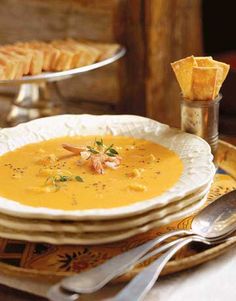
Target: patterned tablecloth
pixel 213 281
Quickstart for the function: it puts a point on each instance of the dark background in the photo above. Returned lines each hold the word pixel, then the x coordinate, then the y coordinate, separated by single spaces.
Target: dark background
pixel 219 40
pixel 219 24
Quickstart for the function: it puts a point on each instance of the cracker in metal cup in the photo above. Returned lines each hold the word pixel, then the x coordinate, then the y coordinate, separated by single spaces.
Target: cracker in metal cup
pixel 222 71
pixel 203 83
pixel 183 71
pixel 200 79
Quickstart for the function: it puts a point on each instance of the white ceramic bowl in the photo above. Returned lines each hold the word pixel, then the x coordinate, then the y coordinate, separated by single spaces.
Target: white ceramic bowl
pixel 31 225
pixel 62 238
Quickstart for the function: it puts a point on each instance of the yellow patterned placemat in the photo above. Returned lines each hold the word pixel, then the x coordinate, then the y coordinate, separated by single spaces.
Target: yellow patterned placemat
pixel 56 261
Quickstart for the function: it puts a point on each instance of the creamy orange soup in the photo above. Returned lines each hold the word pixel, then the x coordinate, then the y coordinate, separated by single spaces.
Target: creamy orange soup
pixel 46 175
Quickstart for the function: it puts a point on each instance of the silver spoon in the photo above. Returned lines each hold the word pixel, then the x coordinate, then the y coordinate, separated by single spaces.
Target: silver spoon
pixel 214 221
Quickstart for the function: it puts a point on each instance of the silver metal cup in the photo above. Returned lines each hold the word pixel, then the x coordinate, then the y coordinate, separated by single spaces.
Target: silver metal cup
pixel 202 119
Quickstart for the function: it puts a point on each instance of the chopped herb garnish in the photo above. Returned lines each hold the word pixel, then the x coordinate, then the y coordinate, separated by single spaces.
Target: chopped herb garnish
pixel 113 151
pixel 92 150
pixel 79 179
pixel 57 179
pixel 99 147
pixel 109 147
pixel 99 143
pixel 111 155
pixel 64 178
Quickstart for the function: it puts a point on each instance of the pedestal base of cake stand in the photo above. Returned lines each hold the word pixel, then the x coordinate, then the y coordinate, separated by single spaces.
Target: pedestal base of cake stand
pixel 35 100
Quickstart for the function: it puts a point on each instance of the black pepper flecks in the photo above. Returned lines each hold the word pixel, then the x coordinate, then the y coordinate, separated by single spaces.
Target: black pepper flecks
pixel 74 200
pixel 15 170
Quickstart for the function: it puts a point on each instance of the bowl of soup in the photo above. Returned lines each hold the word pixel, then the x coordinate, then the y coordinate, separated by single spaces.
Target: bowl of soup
pixel 98 167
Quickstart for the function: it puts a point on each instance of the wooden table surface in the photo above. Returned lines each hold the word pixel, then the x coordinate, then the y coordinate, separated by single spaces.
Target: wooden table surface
pixel 9 294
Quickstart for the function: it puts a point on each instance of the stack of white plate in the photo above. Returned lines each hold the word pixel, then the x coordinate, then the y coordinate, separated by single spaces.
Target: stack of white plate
pixel 96 226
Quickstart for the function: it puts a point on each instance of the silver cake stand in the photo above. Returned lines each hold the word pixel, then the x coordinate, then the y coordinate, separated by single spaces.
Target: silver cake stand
pixel 38 95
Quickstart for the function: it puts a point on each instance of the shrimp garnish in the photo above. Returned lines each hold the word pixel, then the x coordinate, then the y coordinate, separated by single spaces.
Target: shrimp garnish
pixel 74 149
pixel 116 159
pixel 97 163
pixel 99 160
pixel 100 155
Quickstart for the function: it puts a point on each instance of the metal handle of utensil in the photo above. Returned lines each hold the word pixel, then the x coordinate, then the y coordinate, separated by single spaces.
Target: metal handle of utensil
pixel 94 279
pixel 56 293
pixel 138 288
